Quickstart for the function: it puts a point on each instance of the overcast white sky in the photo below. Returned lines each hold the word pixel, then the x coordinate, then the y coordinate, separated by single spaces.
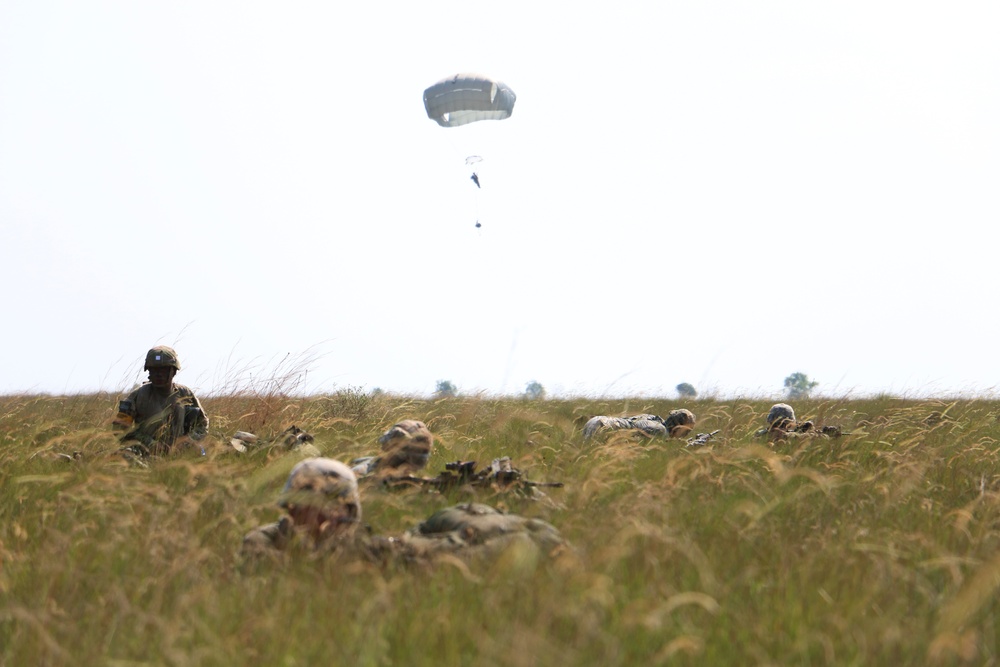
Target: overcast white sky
pixel 719 193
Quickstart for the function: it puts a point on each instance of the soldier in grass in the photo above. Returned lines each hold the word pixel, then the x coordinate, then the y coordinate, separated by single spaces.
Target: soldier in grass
pixel 406 448
pixel 160 414
pixel 324 516
pixel 782 425
pixel 678 424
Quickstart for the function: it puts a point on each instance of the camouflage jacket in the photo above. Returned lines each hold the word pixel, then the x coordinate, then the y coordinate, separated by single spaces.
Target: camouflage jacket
pixel 470 531
pixel 156 419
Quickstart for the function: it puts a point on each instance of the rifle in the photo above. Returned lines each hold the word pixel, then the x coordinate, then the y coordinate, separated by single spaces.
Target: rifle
pixel 702 439
pixel 500 474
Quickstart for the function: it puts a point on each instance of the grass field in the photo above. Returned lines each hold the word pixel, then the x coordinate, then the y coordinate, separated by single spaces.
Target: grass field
pixel 878 548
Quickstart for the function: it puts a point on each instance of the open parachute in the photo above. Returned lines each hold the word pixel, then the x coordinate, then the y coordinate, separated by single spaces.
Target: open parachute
pixel 468 98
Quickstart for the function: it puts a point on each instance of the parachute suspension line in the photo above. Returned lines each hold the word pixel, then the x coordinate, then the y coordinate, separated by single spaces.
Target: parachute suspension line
pixel 477 195
pixel 470 162
pixel 473 162
pixel 459 154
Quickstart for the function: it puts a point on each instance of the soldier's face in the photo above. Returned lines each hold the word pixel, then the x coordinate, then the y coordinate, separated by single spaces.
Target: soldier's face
pixel 326 522
pixel 161 376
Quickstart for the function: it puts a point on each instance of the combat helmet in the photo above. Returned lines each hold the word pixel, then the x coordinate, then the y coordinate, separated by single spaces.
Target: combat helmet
pixel 325 485
pixel 162 356
pixel 779 414
pixel 781 417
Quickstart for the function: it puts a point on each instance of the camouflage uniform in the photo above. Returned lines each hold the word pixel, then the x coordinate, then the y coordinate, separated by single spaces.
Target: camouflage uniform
pixel 293 439
pixel 269 537
pixel 782 424
pixel 781 416
pixel 323 495
pixel 470 530
pixel 406 448
pixel 157 417
pixel 677 424
pixel 476 530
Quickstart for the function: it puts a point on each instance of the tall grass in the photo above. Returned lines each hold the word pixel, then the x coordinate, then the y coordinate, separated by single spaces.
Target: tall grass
pixel 880 547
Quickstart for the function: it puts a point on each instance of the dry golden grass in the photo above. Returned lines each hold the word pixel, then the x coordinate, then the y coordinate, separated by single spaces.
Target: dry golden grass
pixel 876 548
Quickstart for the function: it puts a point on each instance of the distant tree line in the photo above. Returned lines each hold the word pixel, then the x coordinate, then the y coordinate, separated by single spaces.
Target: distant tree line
pixel 797 386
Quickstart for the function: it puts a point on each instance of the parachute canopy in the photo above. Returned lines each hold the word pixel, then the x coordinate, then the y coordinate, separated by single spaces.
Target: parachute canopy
pixel 467 98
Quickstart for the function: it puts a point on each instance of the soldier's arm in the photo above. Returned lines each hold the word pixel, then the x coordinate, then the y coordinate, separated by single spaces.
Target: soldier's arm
pixel 189 412
pixel 198 427
pixel 125 419
pixel 203 423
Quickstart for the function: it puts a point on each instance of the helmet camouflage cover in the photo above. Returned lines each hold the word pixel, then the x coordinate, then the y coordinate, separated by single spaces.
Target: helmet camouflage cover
pixel 161 356
pixel 322 483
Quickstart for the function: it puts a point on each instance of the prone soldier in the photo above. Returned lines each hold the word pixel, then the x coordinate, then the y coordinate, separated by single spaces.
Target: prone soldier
pixel 324 512
pixel 406 448
pixel 678 424
pixel 782 425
